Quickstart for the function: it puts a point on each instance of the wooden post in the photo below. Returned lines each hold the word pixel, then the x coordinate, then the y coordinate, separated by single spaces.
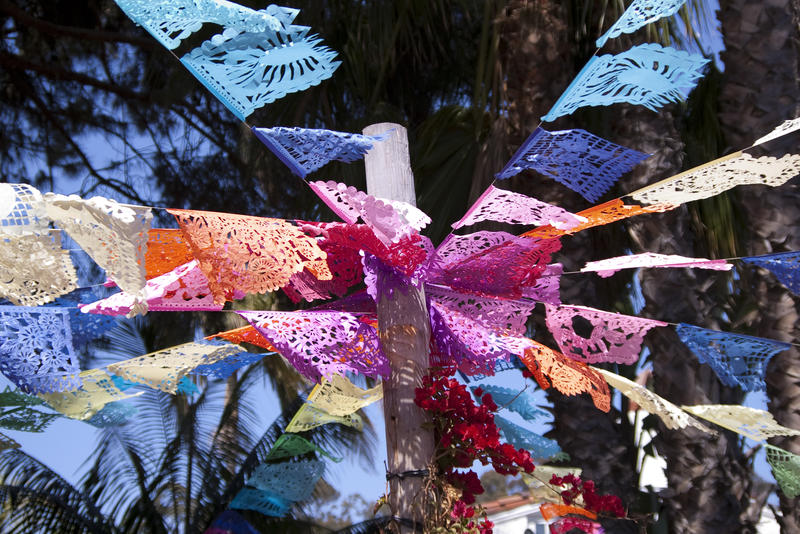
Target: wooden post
pixel 405 332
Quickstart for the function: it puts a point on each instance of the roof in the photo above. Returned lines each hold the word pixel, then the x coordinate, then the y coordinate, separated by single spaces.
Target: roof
pixel 510 502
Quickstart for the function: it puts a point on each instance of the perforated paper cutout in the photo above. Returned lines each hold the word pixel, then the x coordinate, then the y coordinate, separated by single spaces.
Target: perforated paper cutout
pixel 718 176
pixel 587 164
pixel 260 501
pixel 639 14
pixel 245 334
pixel 289 445
pixel 14 398
pixel 321 343
pixel 672 416
pixel 786 470
pixel 565 525
pixel 504 206
pixel 305 150
pixel 406 256
pixel 600 215
pixel 506 270
pixel 36 345
pixel 171 21
pixel 293 481
pixel 222 369
pixel 596 336
pixel 755 424
pixel 182 289
pixel 389 219
pixel 648 75
pixel 21 210
pixel 113 414
pixel 737 359
pixel 538 446
pixel 308 417
pixel 247 70
pixel 338 396
pixel 516 401
pixel 248 254
pixel 608 267
pixel 459 247
pixel 164 369
pixel 782 129
pixel 86 329
pixel 547 287
pixel 25 419
pixel 115 236
pixel 465 341
pixel 36 270
pixel 97 390
pixel 166 250
pixel 784 265
pixel 550 510
pixel 504 315
pixel 568 376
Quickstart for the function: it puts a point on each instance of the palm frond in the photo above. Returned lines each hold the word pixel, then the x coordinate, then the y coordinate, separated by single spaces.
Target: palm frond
pixel 35 498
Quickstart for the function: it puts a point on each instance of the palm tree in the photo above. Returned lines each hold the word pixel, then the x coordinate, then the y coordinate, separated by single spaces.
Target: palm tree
pixel 174 468
pixel 537 64
pixel 759 91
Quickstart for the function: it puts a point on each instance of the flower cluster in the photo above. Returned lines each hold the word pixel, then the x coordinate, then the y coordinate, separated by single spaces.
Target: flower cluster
pixel 464 520
pixel 610 504
pixel 466 432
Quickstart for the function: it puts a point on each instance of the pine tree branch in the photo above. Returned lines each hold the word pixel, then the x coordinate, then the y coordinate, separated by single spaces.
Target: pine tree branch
pixel 10 61
pixel 26 19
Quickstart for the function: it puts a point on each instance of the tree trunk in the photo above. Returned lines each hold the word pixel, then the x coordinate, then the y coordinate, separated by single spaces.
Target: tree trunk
pixel 759 92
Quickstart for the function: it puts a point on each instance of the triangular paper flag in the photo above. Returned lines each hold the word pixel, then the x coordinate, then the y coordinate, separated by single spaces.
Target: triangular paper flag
pixel 718 176
pixel 782 129
pixel 304 150
pixel 503 206
pixel 784 265
pixel 248 254
pixel 248 69
pixel 606 268
pixel 516 401
pixel 183 289
pixel 755 424
pixel 21 210
pixel 391 220
pixel 308 417
pixel 596 336
pixel 737 359
pixel 322 343
pixel 672 416
pixel 338 396
pixel 648 75
pixel 97 391
pixel 293 481
pixel 786 469
pixel 260 501
pixel 36 349
pixel 164 369
pixel 36 270
pixel 290 445
pixel 538 446
pixel 172 21
pixel 114 235
pixel 638 14
pixel 587 164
